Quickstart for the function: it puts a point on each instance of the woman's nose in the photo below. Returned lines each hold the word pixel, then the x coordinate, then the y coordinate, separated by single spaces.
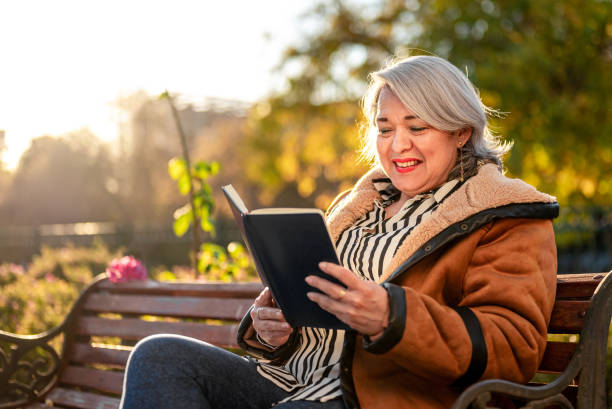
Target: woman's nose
pixel 402 140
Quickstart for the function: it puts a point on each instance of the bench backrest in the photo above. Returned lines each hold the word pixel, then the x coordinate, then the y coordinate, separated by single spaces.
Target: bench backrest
pixel 573 298
pixel 113 317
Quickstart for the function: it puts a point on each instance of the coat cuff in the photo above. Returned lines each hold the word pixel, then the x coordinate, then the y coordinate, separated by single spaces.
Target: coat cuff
pixel 480 355
pixel 247 340
pixel 392 335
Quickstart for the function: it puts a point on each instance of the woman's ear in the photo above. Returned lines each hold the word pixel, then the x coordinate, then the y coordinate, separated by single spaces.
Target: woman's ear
pixel 464 134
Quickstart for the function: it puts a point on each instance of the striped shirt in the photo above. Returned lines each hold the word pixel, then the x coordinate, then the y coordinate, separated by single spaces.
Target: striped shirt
pixel 366 248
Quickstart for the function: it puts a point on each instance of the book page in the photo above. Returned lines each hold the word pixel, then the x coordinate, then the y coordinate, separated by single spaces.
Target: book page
pixel 235 198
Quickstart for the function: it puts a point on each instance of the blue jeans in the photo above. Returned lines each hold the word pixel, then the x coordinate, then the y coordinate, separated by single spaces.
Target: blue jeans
pixel 172 371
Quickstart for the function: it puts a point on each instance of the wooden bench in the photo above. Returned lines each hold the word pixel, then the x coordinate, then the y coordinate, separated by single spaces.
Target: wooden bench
pixel 99 331
pixel 94 341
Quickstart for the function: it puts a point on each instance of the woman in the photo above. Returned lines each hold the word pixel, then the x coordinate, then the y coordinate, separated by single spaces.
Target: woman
pixel 448 266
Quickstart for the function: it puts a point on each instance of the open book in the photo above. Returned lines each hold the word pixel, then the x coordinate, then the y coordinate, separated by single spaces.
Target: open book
pixel 287 245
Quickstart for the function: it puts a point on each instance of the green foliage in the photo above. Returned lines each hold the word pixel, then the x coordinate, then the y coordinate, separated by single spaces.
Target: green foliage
pixel 77 265
pixel 312 149
pixel 219 264
pixel 38 298
pixel 546 64
pixel 193 179
pixel 31 306
pixel 211 259
pixel 215 263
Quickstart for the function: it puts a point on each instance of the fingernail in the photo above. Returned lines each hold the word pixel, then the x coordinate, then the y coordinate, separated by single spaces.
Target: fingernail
pixel 322 265
pixel 308 279
pixel 310 296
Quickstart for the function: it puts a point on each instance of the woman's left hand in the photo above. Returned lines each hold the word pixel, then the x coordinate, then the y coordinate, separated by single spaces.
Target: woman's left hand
pixel 363 305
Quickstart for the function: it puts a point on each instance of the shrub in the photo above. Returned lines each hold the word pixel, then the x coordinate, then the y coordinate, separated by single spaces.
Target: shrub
pixel 39 297
pixel 215 263
pixel 29 305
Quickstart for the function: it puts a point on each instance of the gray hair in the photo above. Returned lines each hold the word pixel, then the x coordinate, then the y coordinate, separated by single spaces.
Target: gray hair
pixel 440 94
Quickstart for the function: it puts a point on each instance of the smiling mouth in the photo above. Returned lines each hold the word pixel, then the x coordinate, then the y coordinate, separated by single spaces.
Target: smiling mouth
pixel 406 164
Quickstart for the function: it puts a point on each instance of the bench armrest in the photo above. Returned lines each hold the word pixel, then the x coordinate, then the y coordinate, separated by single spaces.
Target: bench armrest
pixel 541 396
pixel 30 364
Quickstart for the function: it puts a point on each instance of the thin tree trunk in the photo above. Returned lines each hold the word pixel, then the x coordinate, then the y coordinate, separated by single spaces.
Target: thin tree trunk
pixel 196 220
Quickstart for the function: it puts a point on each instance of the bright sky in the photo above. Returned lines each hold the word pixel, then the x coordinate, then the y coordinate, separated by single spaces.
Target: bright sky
pixel 64 62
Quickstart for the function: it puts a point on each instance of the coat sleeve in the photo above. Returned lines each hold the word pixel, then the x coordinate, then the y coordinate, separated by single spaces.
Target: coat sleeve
pixel 507 292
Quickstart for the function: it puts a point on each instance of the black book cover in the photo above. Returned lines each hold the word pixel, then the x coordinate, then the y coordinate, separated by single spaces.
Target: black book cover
pixel 287 245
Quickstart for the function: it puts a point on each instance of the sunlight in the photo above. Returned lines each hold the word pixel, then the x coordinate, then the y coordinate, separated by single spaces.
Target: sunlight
pixel 70 60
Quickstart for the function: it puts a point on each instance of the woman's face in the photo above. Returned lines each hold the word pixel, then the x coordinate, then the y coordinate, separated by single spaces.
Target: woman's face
pixel 415 156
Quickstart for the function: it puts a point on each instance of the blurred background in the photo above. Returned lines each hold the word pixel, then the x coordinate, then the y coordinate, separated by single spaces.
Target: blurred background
pixel 270 91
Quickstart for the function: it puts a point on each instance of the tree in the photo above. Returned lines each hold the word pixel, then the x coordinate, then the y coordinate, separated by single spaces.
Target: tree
pixel 300 152
pixel 63 180
pixel 546 64
pixel 150 139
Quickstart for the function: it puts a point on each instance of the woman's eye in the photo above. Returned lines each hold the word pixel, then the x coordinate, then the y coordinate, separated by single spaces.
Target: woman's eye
pixel 417 128
pixel 384 131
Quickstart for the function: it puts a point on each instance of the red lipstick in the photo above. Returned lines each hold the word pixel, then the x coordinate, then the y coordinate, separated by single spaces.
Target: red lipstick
pixel 406 165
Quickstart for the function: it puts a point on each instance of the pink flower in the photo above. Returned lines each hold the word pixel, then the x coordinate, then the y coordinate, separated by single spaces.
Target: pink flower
pixel 126 268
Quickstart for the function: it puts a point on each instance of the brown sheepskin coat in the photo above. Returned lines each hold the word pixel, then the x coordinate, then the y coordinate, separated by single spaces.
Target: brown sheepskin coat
pixel 471 292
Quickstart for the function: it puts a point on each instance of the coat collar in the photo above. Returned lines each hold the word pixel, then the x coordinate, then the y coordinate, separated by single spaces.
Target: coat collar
pixel 489 189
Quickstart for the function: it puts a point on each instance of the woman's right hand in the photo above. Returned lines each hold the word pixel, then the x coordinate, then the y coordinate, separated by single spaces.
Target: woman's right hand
pixel 269 321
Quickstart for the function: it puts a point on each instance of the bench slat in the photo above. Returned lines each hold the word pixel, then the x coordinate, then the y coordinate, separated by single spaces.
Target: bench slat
pixel 557 356
pixel 82 400
pixel 577 285
pixel 87 354
pixel 38 405
pixel 233 290
pixel 568 317
pixel 135 329
pixel 187 307
pixel 104 381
